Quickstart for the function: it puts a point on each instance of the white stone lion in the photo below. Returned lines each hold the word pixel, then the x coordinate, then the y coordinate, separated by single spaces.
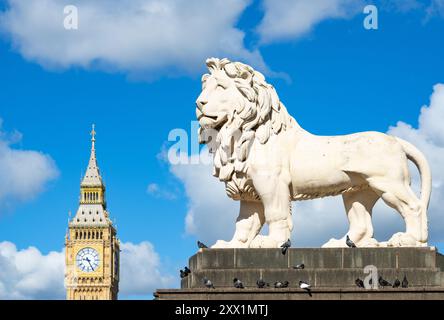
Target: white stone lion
pixel 267 160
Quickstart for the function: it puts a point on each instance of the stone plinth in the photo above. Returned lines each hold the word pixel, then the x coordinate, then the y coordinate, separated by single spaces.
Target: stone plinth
pixel 331 272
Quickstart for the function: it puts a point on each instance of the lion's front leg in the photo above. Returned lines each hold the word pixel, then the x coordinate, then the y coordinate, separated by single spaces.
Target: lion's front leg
pixel 248 225
pixel 275 194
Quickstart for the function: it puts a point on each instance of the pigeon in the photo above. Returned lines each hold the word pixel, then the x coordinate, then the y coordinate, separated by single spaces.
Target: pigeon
pixel 208 283
pixel 238 284
pixel 305 286
pixel 185 272
pixel 359 283
pixel 349 243
pixel 279 284
pixel 405 283
pixel 285 246
pixel 397 283
pixel 384 283
pixel 261 284
pixel 299 266
pixel 201 245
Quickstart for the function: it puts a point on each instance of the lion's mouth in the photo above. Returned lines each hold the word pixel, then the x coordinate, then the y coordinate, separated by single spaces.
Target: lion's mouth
pixel 211 121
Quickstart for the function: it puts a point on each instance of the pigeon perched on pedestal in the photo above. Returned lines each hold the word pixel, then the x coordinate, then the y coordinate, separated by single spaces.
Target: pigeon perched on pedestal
pixel 359 283
pixel 299 266
pixel 349 243
pixel 279 284
pixel 201 245
pixel 208 283
pixel 261 284
pixel 384 283
pixel 305 286
pixel 397 283
pixel 285 246
pixel 238 284
pixel 405 283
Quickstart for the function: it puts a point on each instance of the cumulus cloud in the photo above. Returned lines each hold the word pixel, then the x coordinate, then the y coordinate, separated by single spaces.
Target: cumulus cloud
pixel 288 19
pixel 211 214
pixel 128 35
pixel 29 274
pixel 140 270
pixel 24 173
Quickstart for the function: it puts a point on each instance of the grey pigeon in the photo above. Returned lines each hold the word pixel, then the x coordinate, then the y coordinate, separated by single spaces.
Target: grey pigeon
pixel 359 283
pixel 187 270
pixel 261 284
pixel 384 283
pixel 305 286
pixel 208 283
pixel 299 266
pixel 238 284
pixel 279 284
pixel 405 283
pixel 285 246
pixel 349 243
pixel 397 283
pixel 201 245
pixel 183 274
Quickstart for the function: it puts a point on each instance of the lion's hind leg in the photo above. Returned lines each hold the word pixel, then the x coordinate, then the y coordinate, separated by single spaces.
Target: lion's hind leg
pixel 358 205
pixel 399 196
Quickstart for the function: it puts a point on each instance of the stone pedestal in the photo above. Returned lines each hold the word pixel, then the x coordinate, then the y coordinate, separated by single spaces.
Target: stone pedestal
pixel 331 272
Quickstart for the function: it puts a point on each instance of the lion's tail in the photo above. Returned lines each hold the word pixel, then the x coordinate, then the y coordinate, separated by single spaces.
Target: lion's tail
pixel 418 158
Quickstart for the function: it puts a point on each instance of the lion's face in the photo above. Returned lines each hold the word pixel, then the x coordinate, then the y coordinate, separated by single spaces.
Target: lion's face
pixel 218 100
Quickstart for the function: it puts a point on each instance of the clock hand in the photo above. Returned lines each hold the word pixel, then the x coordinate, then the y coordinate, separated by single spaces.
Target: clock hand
pixel 89 262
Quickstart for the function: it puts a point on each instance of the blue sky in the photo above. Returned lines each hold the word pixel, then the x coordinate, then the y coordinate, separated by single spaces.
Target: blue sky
pixel 335 78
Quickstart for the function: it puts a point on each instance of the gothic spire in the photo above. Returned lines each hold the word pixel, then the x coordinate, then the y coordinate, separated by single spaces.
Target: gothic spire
pixel 92 176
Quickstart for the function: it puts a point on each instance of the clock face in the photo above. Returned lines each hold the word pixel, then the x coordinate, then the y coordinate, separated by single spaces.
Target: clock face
pixel 88 260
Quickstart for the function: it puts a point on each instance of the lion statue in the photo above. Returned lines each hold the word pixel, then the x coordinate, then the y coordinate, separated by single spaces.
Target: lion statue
pixel 267 160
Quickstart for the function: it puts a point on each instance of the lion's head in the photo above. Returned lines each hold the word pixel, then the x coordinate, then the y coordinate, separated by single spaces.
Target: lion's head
pixel 238 103
pixel 234 93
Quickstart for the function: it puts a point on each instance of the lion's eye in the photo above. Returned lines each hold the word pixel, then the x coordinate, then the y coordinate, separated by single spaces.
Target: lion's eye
pixel 221 85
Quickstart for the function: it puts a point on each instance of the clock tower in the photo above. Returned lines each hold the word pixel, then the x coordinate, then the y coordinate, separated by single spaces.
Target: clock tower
pixel 91 243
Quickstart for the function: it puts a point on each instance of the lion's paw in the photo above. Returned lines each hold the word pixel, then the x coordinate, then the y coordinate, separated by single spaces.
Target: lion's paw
pixel 261 241
pixel 335 243
pixel 402 239
pixel 368 243
pixel 221 244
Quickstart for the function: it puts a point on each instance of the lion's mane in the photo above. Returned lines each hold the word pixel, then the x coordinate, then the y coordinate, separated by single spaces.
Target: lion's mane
pixel 259 116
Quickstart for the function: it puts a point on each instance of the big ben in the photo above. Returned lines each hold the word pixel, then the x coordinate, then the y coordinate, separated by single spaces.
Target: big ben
pixel 91 244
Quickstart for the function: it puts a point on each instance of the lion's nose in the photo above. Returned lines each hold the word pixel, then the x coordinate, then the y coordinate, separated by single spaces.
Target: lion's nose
pixel 200 103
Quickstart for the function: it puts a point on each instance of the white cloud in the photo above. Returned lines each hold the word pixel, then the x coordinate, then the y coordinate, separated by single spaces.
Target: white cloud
pixel 29 274
pixel 288 19
pixel 169 36
pixel 141 271
pixel 24 173
pixel 211 214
